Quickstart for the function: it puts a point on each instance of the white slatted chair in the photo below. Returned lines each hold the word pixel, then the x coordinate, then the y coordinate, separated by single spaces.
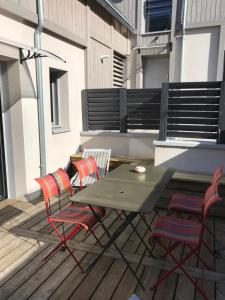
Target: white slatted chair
pixel 102 157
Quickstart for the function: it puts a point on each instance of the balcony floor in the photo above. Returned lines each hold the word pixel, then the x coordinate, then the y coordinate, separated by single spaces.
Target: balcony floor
pixel 23 275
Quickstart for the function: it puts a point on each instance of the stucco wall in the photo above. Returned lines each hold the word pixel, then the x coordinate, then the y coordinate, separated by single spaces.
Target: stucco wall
pixel 200 54
pixel 194 157
pixel 131 144
pixel 20 111
pixel 156 71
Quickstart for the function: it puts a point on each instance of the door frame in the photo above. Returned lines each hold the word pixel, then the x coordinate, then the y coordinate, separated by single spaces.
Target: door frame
pixel 3 173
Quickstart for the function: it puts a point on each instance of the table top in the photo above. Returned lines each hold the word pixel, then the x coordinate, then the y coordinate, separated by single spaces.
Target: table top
pixel 125 189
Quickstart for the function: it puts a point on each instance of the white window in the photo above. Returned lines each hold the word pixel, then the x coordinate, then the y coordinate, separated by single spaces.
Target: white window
pixel 59 100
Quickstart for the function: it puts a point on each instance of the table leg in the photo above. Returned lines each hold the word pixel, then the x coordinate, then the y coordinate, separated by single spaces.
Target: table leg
pixel 112 241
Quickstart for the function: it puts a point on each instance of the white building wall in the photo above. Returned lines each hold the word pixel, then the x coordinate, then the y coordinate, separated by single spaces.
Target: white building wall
pixel 21 127
pixel 155 71
pixel 200 54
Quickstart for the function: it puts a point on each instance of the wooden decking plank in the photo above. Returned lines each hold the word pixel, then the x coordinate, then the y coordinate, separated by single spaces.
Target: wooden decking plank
pixel 20 263
pixel 67 287
pixel 220 260
pixel 45 290
pixel 111 281
pixel 92 280
pixel 34 281
pixel 16 253
pixel 207 286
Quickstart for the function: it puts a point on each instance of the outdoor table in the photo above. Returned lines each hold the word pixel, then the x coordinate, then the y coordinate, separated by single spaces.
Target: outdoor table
pixel 132 193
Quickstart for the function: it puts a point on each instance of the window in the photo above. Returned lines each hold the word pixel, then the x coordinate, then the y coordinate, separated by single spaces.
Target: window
pixel 118 69
pixel 158 15
pixel 59 99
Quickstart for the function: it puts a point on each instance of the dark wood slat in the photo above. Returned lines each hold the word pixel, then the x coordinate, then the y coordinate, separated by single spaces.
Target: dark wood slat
pixel 185 93
pixel 100 90
pixel 144 95
pixel 104 109
pixel 200 114
pixel 201 84
pixel 104 127
pixel 107 123
pixel 191 120
pixel 144 105
pixel 144 115
pixel 143 109
pixel 103 114
pixel 105 104
pixel 131 101
pixel 186 134
pixel 139 91
pixel 188 127
pixel 143 121
pixel 194 107
pixel 103 95
pixel 196 100
pixel 102 100
pixel 103 118
pixel 143 126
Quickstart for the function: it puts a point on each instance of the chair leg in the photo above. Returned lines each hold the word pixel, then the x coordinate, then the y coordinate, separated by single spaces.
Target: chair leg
pixel 179 265
pixel 97 239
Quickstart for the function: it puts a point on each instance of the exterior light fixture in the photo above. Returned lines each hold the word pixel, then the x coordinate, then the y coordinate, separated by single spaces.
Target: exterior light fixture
pixel 102 57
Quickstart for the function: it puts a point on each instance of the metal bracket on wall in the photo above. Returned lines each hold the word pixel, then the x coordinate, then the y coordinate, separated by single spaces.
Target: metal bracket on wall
pixel 29 55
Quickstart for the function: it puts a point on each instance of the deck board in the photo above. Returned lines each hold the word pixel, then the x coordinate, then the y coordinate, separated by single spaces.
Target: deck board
pixel 23 275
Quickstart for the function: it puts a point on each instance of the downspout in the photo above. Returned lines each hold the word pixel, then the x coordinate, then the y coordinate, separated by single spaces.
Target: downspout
pixel 39 85
pixel 183 38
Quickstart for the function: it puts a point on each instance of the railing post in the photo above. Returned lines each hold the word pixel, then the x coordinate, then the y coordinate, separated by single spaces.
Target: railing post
pixel 221 123
pixel 123 110
pixel 163 111
pixel 84 99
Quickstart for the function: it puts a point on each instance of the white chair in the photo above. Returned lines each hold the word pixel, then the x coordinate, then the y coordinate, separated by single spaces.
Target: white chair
pixel 102 157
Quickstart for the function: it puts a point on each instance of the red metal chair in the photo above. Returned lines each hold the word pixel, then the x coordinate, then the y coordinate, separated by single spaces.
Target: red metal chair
pixel 193 204
pixel 87 167
pixel 184 232
pixel 76 215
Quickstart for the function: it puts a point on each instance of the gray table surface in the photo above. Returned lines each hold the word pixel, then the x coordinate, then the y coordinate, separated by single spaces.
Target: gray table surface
pixel 125 189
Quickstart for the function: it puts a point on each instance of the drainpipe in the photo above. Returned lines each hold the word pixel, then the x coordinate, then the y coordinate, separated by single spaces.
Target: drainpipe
pixel 39 85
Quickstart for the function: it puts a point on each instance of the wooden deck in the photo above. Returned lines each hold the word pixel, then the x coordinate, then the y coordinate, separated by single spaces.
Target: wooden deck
pixel 26 238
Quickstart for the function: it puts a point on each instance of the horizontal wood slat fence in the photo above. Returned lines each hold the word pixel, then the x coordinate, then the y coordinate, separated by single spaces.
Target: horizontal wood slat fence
pixel 121 109
pixel 192 110
pixel 179 109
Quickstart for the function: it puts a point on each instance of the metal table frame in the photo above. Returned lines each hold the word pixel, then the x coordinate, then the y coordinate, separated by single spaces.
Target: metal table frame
pixel 129 217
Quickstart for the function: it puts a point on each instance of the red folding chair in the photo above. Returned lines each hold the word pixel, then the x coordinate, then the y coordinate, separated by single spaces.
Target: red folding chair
pixel 76 215
pixel 88 167
pixel 193 204
pixel 184 232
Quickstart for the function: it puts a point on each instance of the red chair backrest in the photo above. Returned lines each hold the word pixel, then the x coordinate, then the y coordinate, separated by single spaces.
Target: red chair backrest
pixel 86 167
pixel 53 184
pixel 211 197
pixel 217 175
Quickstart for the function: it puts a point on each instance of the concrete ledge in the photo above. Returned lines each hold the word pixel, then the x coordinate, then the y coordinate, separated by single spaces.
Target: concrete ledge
pixel 189 156
pixel 190 144
pixel 138 134
pixel 137 144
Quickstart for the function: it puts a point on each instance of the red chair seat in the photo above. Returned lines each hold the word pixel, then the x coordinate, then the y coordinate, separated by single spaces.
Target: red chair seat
pixel 186 203
pixel 180 230
pixel 79 214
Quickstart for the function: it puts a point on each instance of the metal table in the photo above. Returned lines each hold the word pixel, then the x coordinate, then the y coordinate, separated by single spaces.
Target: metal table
pixel 132 193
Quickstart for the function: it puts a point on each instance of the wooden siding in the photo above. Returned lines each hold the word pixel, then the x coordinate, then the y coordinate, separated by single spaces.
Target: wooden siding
pixel 161 38
pixel 69 14
pixel 28 4
pixel 99 72
pixel 100 22
pixel 204 11
pixel 128 9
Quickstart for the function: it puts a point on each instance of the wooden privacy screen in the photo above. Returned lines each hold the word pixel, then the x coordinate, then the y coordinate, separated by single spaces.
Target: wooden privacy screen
pixel 191 110
pixel 121 109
